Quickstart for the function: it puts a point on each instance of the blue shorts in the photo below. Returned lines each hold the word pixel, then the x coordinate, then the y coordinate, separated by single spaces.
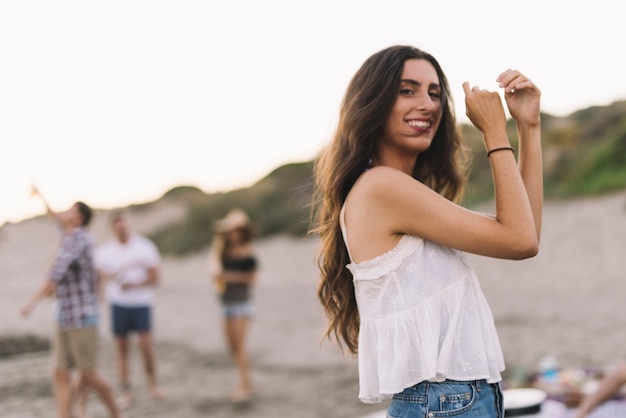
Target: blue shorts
pixel 450 398
pixel 237 309
pixel 126 319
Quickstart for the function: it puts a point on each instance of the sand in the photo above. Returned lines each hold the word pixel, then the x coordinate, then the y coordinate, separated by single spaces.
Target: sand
pixel 565 302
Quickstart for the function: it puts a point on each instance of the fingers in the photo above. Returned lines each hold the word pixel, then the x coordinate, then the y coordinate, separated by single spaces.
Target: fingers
pixel 466 88
pixel 475 89
pixel 484 108
pixel 471 90
pixel 522 96
pixel 511 80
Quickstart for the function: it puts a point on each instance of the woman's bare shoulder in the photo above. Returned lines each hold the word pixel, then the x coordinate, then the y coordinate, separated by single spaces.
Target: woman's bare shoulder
pixel 370 211
pixel 382 183
pixel 380 176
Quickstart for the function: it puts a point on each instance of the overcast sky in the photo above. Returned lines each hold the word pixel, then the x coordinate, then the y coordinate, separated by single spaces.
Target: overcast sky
pixel 116 102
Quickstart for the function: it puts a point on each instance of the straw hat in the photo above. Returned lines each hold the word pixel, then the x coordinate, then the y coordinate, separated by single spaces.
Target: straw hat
pixel 235 219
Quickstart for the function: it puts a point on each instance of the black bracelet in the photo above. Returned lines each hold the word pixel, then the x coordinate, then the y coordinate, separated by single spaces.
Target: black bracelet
pixel 500 149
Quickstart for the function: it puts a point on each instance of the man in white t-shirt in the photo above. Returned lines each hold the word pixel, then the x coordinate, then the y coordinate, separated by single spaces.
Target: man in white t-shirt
pixel 129 266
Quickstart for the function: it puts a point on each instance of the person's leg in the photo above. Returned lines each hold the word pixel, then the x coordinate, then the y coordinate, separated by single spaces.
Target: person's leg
pixel 61 375
pixel 80 394
pixel 85 344
pixel 121 345
pixel 142 324
pixel 85 352
pixel 236 329
pixel 102 388
pixel 120 327
pixel 147 353
pixel 122 349
pixel 63 391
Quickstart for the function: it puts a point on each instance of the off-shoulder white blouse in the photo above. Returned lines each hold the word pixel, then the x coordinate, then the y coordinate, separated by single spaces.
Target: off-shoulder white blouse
pixel 423 317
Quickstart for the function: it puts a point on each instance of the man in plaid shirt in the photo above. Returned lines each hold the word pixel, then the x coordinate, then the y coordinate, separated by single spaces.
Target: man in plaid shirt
pixel 72 278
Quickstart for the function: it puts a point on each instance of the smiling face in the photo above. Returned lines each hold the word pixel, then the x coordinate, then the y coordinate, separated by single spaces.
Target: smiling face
pixel 416 113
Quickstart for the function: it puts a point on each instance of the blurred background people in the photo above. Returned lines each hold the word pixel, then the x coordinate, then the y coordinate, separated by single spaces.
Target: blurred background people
pixel 72 279
pixel 609 387
pixel 128 264
pixel 234 267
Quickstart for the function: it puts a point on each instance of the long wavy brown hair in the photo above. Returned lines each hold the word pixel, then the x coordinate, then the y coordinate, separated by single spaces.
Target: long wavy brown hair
pixel 365 107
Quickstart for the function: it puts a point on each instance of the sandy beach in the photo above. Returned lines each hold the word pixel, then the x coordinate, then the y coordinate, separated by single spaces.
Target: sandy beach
pixel 565 302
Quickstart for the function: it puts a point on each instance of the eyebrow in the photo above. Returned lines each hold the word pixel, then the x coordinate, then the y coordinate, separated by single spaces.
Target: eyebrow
pixel 417 83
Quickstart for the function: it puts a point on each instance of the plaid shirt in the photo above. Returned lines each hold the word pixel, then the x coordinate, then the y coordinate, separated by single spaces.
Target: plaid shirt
pixel 74 275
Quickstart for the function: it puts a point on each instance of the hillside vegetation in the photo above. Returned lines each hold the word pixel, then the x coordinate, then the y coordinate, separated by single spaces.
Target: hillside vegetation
pixel 584 154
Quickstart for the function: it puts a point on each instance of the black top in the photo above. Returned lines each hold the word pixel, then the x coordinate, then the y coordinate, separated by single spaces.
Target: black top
pixel 245 264
pixel 238 292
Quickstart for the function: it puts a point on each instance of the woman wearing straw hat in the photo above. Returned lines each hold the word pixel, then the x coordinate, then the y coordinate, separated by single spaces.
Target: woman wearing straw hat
pixel 234 272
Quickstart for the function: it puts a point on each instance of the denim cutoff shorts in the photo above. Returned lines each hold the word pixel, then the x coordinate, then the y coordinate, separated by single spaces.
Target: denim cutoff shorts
pixel 450 398
pixel 237 309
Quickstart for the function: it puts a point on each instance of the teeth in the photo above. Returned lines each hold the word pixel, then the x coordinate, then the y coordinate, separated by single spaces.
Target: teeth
pixel 419 124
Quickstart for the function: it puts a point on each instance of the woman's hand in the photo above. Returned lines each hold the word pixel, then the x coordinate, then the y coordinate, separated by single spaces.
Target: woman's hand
pixel 522 97
pixel 484 108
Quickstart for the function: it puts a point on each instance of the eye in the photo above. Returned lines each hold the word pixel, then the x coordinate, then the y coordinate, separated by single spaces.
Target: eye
pixel 406 92
pixel 435 94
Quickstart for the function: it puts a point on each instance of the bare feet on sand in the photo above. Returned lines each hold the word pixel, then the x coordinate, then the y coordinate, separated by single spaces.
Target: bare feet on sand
pixel 126 398
pixel 157 394
pixel 124 401
pixel 242 394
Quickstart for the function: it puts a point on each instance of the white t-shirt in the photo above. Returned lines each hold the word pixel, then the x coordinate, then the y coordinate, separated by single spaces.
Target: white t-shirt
pixel 128 263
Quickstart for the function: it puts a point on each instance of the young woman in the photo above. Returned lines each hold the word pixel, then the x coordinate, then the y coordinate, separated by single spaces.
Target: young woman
pixel 235 266
pixel 395 285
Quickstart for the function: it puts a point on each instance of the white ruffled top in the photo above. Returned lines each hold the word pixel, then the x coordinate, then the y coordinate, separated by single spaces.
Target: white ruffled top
pixel 423 317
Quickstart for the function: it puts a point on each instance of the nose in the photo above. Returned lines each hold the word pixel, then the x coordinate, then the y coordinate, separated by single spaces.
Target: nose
pixel 425 102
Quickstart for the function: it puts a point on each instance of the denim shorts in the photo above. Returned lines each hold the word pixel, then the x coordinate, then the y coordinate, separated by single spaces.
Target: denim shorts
pixel 237 309
pixel 450 398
